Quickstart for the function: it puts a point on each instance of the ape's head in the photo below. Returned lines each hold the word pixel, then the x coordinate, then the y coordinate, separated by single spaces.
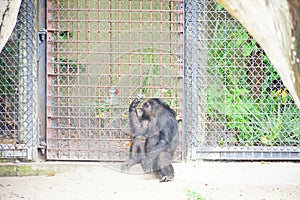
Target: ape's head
pixel 146 108
pixel 150 107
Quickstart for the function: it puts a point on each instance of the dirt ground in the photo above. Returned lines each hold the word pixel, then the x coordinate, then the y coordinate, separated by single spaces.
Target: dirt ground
pixel 203 180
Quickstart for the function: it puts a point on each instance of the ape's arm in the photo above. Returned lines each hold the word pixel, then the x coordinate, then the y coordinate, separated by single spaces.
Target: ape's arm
pixel 136 126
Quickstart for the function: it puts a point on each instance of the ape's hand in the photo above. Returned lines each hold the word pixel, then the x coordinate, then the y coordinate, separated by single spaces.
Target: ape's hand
pixel 136 101
pixel 139 97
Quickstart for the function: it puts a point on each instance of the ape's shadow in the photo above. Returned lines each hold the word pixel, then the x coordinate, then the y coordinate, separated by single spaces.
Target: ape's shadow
pixel 134 169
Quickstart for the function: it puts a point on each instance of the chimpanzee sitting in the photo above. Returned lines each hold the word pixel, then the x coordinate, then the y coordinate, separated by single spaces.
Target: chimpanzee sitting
pixel 159 125
pixel 162 139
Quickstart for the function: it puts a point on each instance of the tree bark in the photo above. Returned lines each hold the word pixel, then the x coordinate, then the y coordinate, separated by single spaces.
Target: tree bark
pixel 9 10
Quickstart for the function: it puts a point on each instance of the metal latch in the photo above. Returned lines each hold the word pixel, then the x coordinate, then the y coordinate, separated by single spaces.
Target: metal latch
pixel 42 146
pixel 42 35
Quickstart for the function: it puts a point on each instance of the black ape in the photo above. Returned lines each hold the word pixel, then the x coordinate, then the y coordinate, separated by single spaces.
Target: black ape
pixel 162 139
pixel 155 137
pixel 137 147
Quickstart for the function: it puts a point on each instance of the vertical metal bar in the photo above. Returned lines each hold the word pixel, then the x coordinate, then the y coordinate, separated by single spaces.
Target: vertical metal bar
pixel 141 78
pixel 160 43
pixel 194 90
pixel 171 28
pixel 110 37
pixel 89 73
pixel 49 80
pixel 76 117
pixel 29 59
pixel 69 95
pixel 194 72
pixel 57 93
pixel 130 47
pixel 180 44
pixel 119 121
pixel 192 65
pixel 202 74
pixel 100 115
pixel 78 113
pixel 41 74
pixel 49 70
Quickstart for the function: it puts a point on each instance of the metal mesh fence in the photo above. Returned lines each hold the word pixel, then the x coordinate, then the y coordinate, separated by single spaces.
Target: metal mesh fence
pixel 236 104
pixel 16 88
pixel 100 55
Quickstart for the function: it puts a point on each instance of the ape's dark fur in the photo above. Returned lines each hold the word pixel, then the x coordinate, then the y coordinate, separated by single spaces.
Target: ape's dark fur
pixel 162 139
pixel 159 125
pixel 138 144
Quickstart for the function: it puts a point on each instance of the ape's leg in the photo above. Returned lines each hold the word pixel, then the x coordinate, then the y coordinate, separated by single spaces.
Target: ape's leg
pixel 165 166
pixel 140 153
pixel 137 151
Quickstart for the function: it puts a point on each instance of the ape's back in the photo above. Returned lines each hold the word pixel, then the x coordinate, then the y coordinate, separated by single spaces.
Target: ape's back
pixel 167 123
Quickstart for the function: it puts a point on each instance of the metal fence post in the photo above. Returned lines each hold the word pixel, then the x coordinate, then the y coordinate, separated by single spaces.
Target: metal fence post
pixel 194 74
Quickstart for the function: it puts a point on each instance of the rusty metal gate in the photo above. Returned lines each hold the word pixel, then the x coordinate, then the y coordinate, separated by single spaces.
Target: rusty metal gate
pixel 193 54
pixel 100 54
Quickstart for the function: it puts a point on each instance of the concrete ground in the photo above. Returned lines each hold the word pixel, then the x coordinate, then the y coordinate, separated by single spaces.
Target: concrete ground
pixel 193 180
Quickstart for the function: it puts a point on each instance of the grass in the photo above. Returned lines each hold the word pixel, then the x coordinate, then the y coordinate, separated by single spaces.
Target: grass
pixel 193 195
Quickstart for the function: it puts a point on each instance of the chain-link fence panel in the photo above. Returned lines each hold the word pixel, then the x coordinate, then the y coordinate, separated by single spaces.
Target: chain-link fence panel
pixel 236 104
pixel 100 55
pixel 17 88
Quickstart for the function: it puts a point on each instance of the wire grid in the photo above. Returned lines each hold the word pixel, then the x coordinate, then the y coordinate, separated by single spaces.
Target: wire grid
pixel 100 55
pixel 236 105
pixel 16 88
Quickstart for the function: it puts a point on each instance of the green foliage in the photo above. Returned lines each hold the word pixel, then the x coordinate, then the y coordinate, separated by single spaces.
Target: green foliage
pixel 257 123
pixel 7 82
pixel 148 57
pixel 272 119
pixel 194 195
pixel 152 71
pixel 70 66
pixel 219 7
pixel 63 35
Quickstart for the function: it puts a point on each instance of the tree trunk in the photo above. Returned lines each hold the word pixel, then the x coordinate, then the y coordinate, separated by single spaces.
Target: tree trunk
pixel 9 10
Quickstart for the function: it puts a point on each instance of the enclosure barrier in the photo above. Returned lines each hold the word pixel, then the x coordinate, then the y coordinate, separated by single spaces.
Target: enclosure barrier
pixel 18 130
pixel 236 105
pixel 100 55
pixel 230 102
